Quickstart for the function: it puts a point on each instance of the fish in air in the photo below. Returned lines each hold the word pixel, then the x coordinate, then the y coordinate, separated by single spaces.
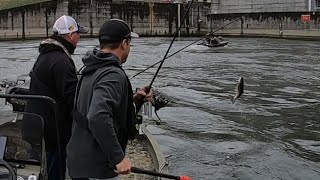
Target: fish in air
pixel 239 90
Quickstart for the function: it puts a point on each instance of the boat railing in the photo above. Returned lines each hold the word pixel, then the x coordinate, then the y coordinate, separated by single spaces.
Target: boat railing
pixel 159 161
pixel 146 109
pixel 18 103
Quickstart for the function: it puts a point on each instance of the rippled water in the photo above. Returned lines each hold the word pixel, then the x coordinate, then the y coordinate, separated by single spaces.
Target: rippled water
pixel 273 130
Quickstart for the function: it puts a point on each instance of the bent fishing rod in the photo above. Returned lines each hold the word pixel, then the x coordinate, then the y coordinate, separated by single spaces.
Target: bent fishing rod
pixel 210 33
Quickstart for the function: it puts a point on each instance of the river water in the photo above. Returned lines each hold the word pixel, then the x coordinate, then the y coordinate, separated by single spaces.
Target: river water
pixel 271 132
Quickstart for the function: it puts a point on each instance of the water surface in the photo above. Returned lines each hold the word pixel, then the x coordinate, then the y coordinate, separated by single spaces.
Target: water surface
pixel 273 130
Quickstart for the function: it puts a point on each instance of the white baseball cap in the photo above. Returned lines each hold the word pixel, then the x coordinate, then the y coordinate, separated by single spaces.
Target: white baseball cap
pixel 66 24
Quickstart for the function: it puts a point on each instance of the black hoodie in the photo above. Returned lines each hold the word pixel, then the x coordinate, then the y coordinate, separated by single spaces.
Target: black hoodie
pixel 99 140
pixel 53 75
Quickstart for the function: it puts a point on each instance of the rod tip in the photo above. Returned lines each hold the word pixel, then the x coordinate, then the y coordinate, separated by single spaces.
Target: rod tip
pixel 185 178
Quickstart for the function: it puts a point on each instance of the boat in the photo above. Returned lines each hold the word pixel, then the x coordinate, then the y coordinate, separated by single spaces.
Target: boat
pixel 220 44
pixel 16 161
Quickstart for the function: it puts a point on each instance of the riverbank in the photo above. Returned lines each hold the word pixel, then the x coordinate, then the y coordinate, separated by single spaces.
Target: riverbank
pixel 313 34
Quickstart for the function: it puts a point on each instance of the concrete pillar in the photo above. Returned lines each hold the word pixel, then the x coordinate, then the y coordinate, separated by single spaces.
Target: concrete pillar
pixel 309 6
pixel 179 19
pixel 280 27
pixel 23 24
pixel 198 18
pixel 242 22
pixel 187 18
pixel 47 25
pixel 90 18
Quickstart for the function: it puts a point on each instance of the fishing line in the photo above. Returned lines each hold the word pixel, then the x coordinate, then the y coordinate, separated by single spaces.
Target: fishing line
pixel 210 33
pixel 157 100
pixel 174 37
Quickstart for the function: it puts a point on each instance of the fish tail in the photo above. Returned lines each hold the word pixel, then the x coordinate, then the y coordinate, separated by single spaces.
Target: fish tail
pixel 233 99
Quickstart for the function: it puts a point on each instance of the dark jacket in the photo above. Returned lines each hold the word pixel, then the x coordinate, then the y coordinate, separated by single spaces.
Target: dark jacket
pixel 99 137
pixel 53 75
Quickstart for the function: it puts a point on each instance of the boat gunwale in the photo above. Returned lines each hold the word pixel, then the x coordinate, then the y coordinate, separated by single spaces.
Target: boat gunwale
pixel 159 161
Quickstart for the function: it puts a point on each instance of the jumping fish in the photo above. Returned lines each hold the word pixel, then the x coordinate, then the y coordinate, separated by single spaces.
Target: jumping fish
pixel 239 90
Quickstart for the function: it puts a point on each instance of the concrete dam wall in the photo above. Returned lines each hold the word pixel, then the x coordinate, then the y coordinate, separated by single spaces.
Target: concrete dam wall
pixel 155 18
pixel 277 18
pixel 280 24
pixel 144 18
pixel 246 6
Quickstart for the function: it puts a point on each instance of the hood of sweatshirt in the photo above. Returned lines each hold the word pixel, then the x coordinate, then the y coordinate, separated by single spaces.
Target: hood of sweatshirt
pixel 96 59
pixel 48 47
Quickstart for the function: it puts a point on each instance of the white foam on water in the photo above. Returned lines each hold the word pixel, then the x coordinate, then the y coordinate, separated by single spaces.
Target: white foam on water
pixel 197 48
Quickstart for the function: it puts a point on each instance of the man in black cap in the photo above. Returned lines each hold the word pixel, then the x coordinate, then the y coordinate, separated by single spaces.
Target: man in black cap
pixel 54 75
pixel 105 108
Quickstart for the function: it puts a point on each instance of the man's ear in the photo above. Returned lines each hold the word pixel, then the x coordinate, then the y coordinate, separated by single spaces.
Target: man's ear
pixel 68 36
pixel 123 44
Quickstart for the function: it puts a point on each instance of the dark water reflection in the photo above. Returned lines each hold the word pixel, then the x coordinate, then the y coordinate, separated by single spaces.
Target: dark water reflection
pixel 273 130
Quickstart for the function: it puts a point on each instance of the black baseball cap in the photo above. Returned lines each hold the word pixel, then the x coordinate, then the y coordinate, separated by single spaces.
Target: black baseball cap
pixel 115 30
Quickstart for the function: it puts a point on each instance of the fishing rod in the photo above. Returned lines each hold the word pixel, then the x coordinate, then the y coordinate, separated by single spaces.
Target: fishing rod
pixel 237 19
pixel 174 37
pixel 157 174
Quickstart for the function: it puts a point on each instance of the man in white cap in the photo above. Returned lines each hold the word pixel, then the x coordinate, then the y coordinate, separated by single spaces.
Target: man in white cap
pixel 54 75
pixel 105 107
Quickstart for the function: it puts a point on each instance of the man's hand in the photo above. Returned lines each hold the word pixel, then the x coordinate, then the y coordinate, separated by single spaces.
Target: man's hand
pixel 144 94
pixel 124 167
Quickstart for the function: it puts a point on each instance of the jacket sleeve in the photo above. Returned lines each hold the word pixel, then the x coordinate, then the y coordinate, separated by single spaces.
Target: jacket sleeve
pixel 65 81
pixel 106 97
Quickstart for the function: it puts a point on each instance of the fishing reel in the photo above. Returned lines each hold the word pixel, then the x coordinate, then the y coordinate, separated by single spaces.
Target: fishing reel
pixel 158 101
